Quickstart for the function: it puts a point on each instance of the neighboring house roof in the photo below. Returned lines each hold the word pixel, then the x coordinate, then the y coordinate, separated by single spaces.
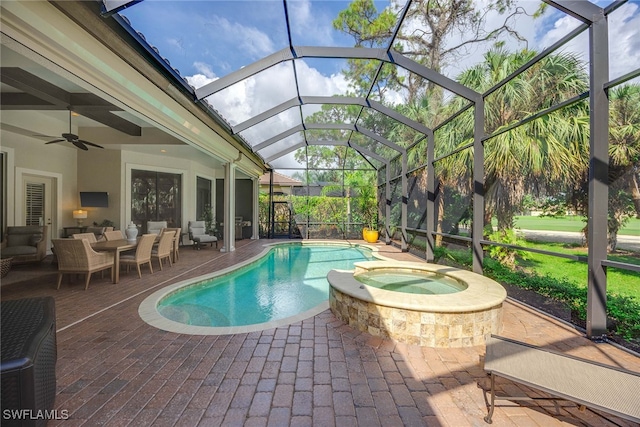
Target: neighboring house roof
pixel 279 179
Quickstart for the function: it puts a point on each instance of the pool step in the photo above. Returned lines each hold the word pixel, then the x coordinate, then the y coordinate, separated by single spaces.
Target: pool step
pixel 193 314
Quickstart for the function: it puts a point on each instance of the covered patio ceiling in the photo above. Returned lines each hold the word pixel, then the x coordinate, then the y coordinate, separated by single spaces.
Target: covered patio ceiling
pixel 274 70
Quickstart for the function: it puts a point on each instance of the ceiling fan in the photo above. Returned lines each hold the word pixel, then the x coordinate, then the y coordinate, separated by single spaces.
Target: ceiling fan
pixel 74 139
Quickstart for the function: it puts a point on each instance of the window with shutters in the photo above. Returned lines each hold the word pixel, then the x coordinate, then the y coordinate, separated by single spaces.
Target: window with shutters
pixel 35 204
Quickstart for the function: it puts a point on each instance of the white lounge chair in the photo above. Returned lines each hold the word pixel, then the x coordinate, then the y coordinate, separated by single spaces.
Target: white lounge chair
pixel 197 233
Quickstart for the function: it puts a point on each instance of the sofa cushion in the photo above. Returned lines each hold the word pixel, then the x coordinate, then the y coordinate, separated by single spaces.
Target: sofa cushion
pixel 18 239
pixel 205 238
pixel 34 239
pixel 197 231
pixel 19 250
pixel 24 229
pixel 22 235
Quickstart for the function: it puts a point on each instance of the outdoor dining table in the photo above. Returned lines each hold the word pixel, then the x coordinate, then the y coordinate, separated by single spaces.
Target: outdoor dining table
pixel 115 246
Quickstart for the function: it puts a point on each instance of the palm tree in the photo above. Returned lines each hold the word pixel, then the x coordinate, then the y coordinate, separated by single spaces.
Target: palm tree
pixel 550 149
pixel 454 173
pixel 624 158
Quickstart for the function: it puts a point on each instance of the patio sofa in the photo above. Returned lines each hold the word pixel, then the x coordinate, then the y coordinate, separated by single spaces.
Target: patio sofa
pixel 25 244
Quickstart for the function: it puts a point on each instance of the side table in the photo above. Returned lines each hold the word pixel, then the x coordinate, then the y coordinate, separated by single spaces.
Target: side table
pixel 68 231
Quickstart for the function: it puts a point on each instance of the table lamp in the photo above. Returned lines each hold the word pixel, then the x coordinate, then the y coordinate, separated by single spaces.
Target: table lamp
pixel 79 215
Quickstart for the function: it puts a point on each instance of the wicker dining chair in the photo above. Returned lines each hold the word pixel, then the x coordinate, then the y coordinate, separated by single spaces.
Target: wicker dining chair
pixel 75 256
pixel 114 235
pixel 165 248
pixel 176 242
pixel 142 254
pixel 86 236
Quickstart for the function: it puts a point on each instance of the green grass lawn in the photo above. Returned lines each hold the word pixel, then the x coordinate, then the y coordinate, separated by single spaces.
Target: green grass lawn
pixel 569 223
pixel 619 281
pixel 622 282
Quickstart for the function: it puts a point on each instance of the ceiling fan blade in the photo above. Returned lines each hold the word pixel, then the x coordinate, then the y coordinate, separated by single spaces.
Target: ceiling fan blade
pixel 38 135
pixel 80 145
pixel 72 138
pixel 90 143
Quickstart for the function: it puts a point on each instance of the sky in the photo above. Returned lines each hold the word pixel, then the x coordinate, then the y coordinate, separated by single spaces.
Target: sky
pixel 208 39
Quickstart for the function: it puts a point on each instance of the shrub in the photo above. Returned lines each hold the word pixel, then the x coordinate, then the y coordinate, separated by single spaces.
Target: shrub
pixel 460 256
pixel 625 311
pixel 505 255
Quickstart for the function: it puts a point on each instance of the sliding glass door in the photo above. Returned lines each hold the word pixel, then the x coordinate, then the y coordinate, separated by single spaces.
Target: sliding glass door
pixel 203 197
pixel 156 196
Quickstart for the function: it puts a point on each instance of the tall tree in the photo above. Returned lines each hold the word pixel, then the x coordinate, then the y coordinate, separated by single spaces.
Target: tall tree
pixel 549 150
pixel 427 36
pixel 624 139
pixel 624 158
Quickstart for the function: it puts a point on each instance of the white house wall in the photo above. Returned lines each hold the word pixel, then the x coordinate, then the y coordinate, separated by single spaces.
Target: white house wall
pixel 99 170
pixel 34 155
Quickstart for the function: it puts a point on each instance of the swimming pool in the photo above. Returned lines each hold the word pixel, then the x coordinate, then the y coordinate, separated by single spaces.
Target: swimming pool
pixel 285 283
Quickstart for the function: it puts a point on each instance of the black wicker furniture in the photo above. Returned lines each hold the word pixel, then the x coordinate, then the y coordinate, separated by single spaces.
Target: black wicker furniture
pixel 28 361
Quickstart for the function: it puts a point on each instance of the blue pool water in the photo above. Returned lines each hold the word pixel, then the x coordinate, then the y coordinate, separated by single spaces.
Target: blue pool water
pixel 289 280
pixel 423 283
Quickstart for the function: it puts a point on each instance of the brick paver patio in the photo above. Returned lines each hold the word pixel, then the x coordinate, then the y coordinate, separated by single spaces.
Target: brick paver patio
pixel 113 369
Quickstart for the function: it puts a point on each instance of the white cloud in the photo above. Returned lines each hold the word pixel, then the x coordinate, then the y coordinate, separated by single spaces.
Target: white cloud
pixel 265 90
pixel 313 83
pixel 175 43
pixel 199 80
pixel 300 12
pixel 561 27
pixel 204 69
pixel 624 39
pixel 255 43
pixel 255 94
pixel 472 54
pixel 309 24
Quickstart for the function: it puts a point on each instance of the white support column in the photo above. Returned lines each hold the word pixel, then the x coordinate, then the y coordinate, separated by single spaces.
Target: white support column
pixel 229 209
pixel 255 222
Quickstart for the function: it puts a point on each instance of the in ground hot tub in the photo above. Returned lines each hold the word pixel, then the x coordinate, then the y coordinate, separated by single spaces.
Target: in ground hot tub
pixel 418 303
